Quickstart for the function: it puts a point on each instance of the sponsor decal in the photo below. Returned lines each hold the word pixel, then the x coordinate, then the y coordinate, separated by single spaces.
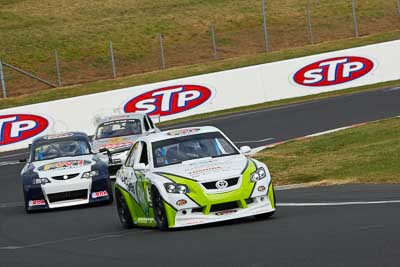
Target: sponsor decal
pixel 203 171
pixel 194 221
pixel 116 140
pixel 119 121
pixel 19 127
pixel 116 145
pixel 221 184
pixel 181 202
pixel 261 188
pixel 57 136
pixel 62 165
pixel 130 186
pixel 183 132
pixel 100 194
pixel 120 117
pixel 333 71
pixel 33 203
pixel 169 100
pixel 225 212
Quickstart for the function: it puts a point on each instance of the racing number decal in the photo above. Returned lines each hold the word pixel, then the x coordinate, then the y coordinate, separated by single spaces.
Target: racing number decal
pixel 129 185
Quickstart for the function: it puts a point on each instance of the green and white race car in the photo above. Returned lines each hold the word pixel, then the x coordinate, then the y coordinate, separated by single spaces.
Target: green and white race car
pixel 188 177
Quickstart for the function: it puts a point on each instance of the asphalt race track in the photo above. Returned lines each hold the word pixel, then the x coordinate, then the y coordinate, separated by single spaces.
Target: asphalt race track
pixel 354 225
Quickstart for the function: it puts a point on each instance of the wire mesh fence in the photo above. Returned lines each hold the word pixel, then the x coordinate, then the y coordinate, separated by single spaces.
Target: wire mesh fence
pixel 187 32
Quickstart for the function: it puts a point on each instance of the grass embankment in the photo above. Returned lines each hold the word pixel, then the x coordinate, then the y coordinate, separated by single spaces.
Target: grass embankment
pixel 365 154
pixel 179 72
pixel 80 30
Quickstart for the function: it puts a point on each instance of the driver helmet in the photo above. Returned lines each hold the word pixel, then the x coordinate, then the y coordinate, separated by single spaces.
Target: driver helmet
pixel 70 148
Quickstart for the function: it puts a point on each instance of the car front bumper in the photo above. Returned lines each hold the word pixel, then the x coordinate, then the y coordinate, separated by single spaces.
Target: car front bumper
pixel 259 205
pixel 79 192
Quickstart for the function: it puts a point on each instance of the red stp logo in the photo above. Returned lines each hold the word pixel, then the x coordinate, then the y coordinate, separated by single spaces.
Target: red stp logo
pixel 169 100
pixel 333 71
pixel 18 127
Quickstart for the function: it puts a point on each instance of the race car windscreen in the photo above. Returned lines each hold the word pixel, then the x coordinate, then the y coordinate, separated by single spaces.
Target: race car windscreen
pixel 68 148
pixel 177 150
pixel 119 128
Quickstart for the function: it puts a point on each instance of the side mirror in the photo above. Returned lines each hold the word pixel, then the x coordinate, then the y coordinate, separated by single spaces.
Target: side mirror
pixel 105 150
pixel 245 149
pixel 141 167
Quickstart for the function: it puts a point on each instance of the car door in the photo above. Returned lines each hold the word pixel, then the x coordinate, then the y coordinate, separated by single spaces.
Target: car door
pixel 127 174
pixel 143 184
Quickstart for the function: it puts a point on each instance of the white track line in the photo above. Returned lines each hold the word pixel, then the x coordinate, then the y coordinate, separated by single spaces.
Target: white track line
pixel 330 131
pixel 13 155
pixel 237 115
pixel 254 141
pixel 392 89
pixel 336 203
pixel 88 237
pixel 256 150
pixel 244 113
pixel 6 163
pixel 7 205
pixel 292 186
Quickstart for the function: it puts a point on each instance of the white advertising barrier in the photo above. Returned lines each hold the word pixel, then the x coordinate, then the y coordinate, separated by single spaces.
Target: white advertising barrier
pixel 205 93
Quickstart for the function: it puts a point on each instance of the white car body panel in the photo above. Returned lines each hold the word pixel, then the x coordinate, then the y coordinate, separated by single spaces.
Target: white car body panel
pixel 203 170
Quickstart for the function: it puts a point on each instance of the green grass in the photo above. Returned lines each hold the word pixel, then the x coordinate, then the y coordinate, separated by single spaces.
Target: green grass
pixel 178 72
pixel 365 154
pixel 80 30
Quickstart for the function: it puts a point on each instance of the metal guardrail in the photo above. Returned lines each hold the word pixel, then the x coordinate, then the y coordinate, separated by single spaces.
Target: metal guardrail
pixel 2 81
pixel 26 73
pixel 29 74
pixel 355 7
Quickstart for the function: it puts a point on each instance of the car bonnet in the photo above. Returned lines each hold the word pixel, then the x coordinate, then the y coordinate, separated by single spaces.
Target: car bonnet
pixel 115 142
pixel 208 169
pixel 63 166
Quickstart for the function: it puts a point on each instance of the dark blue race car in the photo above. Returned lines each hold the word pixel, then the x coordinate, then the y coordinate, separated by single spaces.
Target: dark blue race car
pixel 61 171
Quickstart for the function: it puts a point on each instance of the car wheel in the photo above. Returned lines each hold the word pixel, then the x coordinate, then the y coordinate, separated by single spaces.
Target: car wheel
pixel 26 204
pixel 26 208
pixel 123 211
pixel 159 211
pixel 111 199
pixel 110 193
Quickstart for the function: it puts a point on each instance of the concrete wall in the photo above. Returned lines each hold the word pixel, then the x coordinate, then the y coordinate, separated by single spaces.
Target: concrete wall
pixel 178 98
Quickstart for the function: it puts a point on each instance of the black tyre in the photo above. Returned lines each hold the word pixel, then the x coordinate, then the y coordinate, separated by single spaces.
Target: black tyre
pixel 111 199
pixel 159 210
pixel 123 211
pixel 26 206
pixel 26 202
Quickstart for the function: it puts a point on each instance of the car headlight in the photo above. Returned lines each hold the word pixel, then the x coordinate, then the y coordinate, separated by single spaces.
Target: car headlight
pixel 176 188
pixel 40 181
pixel 90 174
pixel 259 174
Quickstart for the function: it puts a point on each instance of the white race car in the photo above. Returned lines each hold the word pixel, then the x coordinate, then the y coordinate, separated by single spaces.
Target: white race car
pixel 63 171
pixel 191 176
pixel 116 134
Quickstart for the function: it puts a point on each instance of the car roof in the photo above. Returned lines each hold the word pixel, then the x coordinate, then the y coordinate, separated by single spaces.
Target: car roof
pixel 121 117
pixel 170 134
pixel 50 138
